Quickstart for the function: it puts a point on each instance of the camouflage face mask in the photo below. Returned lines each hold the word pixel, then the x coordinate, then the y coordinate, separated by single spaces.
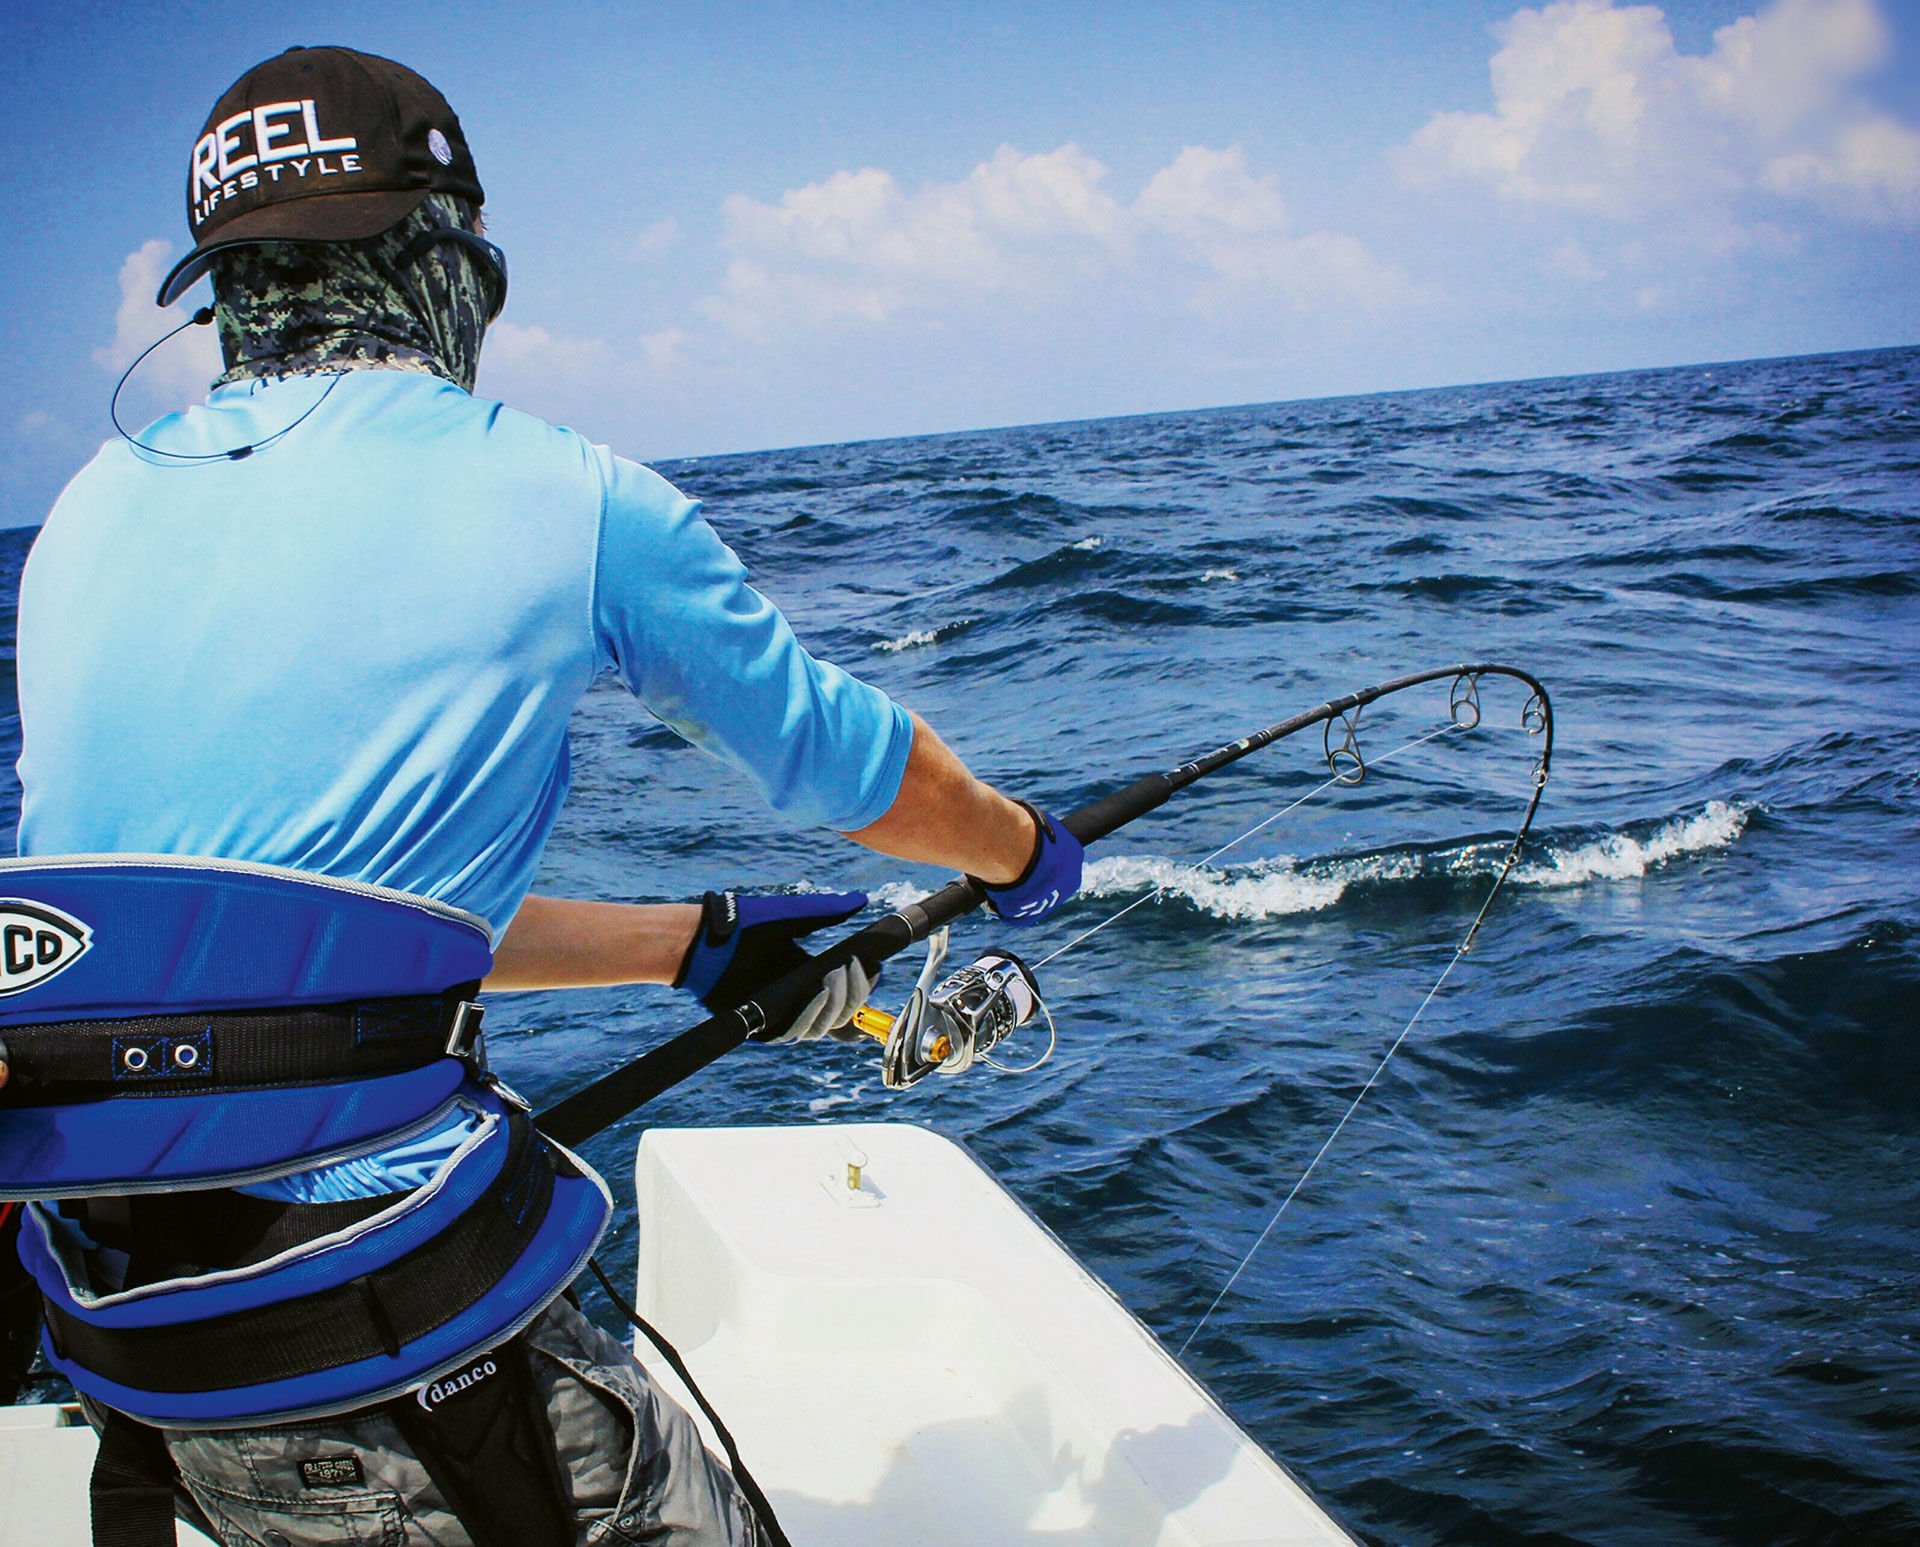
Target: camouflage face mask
pixel 303 309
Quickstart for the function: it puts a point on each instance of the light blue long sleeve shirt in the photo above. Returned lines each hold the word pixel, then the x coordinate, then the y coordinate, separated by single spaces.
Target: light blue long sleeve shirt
pixel 356 650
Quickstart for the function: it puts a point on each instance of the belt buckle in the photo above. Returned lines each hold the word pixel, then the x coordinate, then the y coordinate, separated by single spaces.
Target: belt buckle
pixel 464 1040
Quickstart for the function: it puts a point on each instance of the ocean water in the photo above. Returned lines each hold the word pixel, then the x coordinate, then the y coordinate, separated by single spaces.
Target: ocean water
pixel 1624 1246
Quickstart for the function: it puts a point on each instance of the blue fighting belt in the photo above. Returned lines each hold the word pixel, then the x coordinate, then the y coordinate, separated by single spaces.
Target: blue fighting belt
pixel 176 1028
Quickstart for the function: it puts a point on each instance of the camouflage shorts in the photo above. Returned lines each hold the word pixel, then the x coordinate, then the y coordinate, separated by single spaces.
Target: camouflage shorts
pixel 633 1461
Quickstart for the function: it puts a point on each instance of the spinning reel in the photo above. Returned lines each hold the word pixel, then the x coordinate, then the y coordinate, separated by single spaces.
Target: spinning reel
pixel 948 1027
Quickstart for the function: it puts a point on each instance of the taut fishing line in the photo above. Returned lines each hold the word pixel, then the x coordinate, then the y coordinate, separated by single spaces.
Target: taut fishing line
pixel 940 1040
pixel 1339 776
pixel 946 1028
pixel 1265 822
pixel 1352 1107
pixel 1193 869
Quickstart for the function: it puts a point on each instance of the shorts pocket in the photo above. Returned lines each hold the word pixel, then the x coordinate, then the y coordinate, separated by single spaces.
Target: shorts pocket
pixel 255 1488
pixel 337 1520
pixel 611 1423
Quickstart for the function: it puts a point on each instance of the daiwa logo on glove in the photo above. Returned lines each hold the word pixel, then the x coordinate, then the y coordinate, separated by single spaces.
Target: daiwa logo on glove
pixel 36 943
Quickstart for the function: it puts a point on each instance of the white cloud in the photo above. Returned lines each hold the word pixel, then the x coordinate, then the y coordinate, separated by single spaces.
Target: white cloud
pixel 858 249
pixel 1215 212
pixel 1596 110
pixel 662 352
pixel 527 349
pixel 181 369
pixel 556 375
pixel 579 380
pixel 1873 169
pixel 656 239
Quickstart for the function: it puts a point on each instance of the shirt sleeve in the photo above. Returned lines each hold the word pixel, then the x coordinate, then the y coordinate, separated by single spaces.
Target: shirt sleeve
pixel 675 619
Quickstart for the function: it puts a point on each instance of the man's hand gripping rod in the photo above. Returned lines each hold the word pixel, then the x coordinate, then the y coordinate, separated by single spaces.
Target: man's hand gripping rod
pixel 611 1097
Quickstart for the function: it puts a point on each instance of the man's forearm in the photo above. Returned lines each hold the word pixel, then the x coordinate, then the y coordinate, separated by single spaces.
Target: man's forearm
pixel 943 815
pixel 558 942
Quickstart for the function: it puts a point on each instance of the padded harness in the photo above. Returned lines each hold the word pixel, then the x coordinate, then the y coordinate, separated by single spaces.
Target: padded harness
pixel 174 1029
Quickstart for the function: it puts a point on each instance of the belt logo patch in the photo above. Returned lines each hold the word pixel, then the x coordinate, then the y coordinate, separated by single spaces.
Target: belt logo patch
pixel 37 942
pixel 331 1472
pixel 434 1393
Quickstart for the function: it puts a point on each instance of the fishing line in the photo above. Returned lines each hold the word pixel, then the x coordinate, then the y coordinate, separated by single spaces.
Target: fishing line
pixel 1053 1041
pixel 1341 775
pixel 1265 822
pixel 1465 945
pixel 979 1008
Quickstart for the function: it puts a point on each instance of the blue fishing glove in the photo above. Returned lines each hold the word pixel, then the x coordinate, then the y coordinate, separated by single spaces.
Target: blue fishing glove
pixel 1051 876
pixel 744 943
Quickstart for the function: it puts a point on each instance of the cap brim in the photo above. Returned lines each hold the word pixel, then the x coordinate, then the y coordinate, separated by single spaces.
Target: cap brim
pixel 326 217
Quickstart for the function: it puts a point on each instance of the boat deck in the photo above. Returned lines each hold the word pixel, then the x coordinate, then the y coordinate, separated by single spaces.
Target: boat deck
pixel 908 1361
pixel 918 1361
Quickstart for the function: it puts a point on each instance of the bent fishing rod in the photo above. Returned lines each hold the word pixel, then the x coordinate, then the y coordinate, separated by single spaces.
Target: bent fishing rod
pixel 606 1100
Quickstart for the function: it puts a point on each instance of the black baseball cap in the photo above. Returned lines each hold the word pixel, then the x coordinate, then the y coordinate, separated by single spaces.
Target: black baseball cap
pixel 318 145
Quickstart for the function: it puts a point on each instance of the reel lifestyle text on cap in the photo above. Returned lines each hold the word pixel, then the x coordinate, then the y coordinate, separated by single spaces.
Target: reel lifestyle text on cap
pixel 318 145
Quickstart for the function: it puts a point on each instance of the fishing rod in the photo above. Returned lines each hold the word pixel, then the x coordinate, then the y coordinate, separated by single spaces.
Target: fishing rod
pixel 983 1003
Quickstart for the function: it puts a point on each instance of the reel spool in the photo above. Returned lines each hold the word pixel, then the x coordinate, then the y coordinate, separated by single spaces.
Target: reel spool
pixel 946 1028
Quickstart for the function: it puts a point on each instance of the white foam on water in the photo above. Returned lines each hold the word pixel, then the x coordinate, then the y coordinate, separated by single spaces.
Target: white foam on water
pixel 1088 544
pixel 895 895
pixel 1265 889
pixel 1219 574
pixel 1285 887
pixel 1622 857
pixel 924 636
pixel 832 1095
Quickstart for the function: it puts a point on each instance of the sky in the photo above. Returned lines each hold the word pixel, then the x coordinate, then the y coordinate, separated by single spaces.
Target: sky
pixel 741 226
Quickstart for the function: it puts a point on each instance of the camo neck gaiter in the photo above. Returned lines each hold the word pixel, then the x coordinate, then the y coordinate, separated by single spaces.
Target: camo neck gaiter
pixel 305 309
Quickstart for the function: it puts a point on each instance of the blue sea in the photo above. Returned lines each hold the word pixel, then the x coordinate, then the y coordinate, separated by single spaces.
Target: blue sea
pixel 1624 1245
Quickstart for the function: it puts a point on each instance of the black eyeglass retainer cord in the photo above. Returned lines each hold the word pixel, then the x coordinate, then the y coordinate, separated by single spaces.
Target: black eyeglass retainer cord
pixel 494 259
pixel 199 319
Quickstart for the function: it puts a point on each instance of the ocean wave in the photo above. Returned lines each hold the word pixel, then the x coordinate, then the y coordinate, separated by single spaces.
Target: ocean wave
pixel 1625 857
pixel 1285 887
pixel 1264 889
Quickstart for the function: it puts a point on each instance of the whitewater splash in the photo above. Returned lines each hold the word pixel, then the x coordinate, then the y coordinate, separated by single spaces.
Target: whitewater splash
pixel 1285 887
pixel 923 636
pixel 1623 857
pixel 1264 889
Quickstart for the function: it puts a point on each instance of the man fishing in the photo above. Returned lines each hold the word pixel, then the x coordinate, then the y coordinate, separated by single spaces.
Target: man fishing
pixel 295 673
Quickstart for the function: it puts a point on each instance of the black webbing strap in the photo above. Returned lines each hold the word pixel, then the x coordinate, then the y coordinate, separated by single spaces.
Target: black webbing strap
pixel 378 1313
pixel 491 1452
pixel 88 1060
pixel 180 1235
pixel 131 1491
pixel 19 1309
pixel 749 1484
